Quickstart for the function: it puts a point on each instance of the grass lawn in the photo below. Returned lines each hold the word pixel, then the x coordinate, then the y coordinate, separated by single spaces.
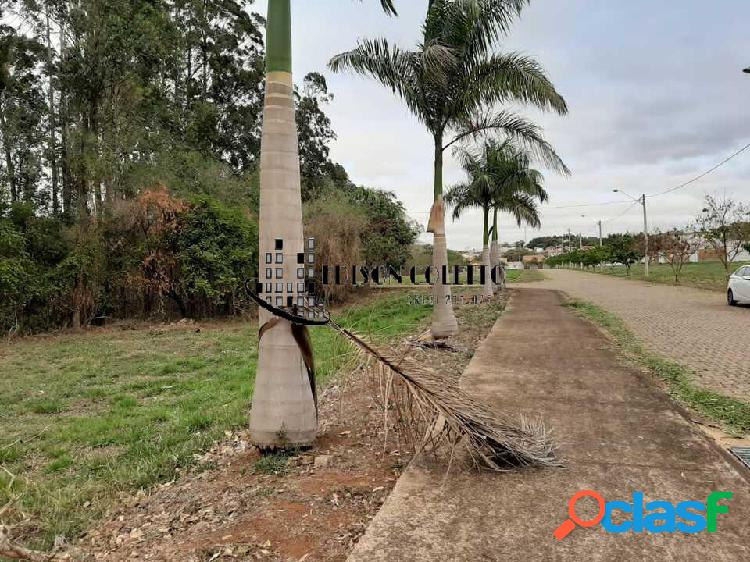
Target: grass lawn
pixel 733 414
pixel 523 275
pixel 86 416
pixel 704 275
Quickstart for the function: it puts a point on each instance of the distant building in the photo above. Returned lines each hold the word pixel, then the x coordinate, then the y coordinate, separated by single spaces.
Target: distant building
pixel 534 261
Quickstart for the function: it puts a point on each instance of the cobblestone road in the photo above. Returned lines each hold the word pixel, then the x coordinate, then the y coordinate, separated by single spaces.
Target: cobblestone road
pixel 693 327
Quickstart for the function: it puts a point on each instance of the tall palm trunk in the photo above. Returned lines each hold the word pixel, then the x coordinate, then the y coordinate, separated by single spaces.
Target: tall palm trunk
pixel 444 322
pixel 495 249
pixel 283 411
pixel 487 291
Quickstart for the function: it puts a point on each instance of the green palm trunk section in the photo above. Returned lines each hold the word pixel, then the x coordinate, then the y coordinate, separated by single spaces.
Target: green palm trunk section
pixel 494 225
pixel 279 36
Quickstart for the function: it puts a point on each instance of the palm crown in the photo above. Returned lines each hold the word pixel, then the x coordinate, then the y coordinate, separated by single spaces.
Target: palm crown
pixel 500 177
pixel 453 80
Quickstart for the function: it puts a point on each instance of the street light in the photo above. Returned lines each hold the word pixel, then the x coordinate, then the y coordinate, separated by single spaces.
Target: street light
pixel 580 242
pixel 642 201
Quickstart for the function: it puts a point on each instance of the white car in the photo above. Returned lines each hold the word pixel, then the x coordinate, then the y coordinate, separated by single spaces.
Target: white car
pixel 739 286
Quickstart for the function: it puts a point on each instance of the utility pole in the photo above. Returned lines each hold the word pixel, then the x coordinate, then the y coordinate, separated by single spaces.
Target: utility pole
pixel 601 240
pixel 641 200
pixel 645 235
pixel 580 243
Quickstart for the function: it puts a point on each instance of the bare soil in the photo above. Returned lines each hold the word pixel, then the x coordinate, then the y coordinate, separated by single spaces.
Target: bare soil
pixel 315 508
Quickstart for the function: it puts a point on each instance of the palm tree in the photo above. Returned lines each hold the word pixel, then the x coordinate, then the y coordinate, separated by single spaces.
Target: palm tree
pixel 452 82
pixel 531 183
pixel 499 179
pixel 283 412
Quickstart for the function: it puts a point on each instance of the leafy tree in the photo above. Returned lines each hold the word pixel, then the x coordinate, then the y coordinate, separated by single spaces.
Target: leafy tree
pixel 545 241
pixel 21 110
pixel 390 233
pixel 674 247
pixel 624 249
pixel 215 250
pixel 595 256
pixel 315 133
pixel 453 82
pixel 725 225
pixel 517 254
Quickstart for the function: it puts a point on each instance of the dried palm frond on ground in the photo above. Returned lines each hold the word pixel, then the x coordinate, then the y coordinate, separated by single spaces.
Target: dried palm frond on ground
pixel 434 414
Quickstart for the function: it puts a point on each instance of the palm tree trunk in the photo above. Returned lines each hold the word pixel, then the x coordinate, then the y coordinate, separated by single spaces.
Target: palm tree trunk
pixel 283 411
pixel 495 249
pixel 444 322
pixel 9 165
pixel 487 289
pixel 52 140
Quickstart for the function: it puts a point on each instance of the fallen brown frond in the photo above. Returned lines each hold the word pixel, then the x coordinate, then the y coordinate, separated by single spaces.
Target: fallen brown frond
pixel 434 414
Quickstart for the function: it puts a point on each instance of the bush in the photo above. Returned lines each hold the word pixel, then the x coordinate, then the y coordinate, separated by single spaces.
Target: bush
pixel 216 249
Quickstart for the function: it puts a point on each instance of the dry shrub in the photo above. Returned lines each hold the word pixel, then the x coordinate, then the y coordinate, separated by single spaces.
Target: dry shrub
pixel 146 223
pixel 337 226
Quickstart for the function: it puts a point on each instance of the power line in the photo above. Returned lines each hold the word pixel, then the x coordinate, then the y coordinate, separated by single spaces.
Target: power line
pixel 589 205
pixel 625 212
pixel 659 194
pixel 704 174
pixel 666 191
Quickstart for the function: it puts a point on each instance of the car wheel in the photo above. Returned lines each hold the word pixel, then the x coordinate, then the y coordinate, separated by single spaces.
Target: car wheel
pixel 730 298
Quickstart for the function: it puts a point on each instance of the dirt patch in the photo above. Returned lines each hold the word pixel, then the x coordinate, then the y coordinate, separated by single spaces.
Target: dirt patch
pixel 315 507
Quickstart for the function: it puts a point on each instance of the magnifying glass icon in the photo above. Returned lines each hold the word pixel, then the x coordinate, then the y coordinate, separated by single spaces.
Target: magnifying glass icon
pixel 569 524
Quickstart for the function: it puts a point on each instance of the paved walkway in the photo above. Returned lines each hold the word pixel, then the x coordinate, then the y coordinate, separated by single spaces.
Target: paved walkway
pixel 617 434
pixel 693 327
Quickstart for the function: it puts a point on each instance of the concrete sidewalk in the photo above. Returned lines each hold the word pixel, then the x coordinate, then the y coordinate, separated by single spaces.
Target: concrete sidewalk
pixel 617 433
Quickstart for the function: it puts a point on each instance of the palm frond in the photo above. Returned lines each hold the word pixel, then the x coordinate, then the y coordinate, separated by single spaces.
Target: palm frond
pixel 436 415
pixel 405 73
pixel 513 127
pixel 474 25
pixel 522 207
pixel 512 77
pixel 378 59
pixel 461 197
pixel 388 7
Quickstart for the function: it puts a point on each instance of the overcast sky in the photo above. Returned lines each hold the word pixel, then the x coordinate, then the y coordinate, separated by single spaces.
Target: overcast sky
pixel 655 89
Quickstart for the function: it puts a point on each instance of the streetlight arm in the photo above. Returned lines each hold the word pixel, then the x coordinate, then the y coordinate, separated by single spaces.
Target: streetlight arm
pixel 626 194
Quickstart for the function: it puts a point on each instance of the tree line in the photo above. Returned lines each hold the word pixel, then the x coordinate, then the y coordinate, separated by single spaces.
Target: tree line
pixel 130 135
pixel 722 227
